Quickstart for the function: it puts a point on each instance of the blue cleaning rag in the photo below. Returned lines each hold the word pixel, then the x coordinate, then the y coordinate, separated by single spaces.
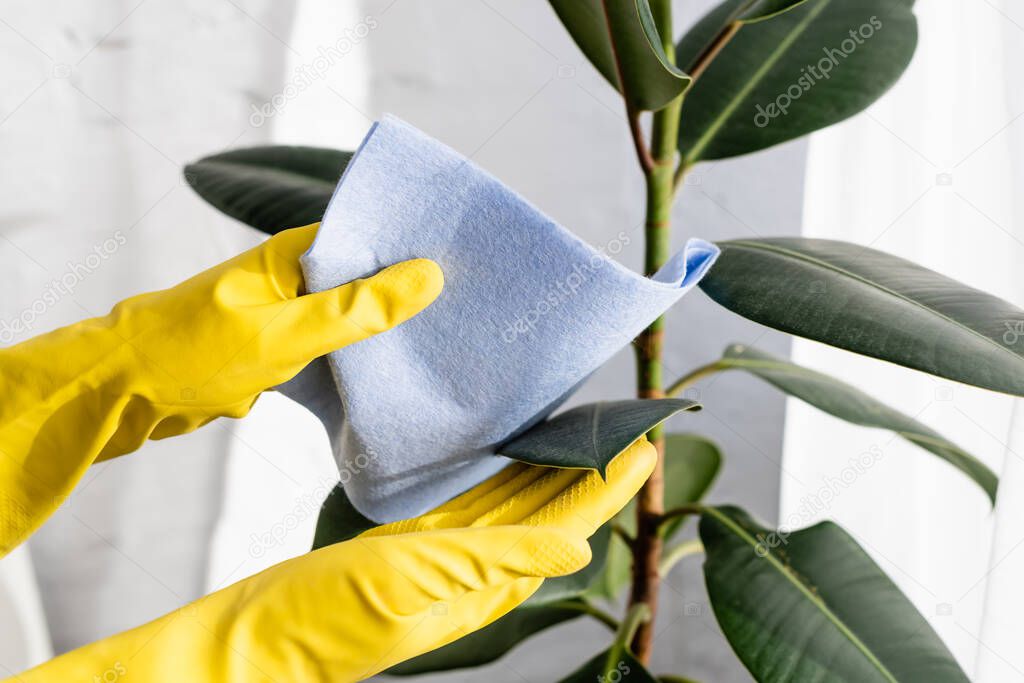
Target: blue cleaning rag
pixel 528 311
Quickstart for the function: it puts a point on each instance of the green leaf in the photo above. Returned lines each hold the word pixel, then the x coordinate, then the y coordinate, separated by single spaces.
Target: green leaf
pixel 769 83
pixel 853 405
pixel 625 669
pixel 691 465
pixel 618 564
pixel 489 643
pixel 759 10
pixel 875 304
pixel 339 520
pixel 812 606
pixel 576 584
pixel 620 38
pixel 590 436
pixel 269 188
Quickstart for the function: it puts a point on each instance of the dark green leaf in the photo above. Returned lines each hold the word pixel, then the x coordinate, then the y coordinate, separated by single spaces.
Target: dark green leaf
pixel 621 40
pixel 339 520
pixel 618 562
pixel 269 188
pixel 575 584
pixel 489 643
pixel 590 436
pixel 812 606
pixel 759 10
pixel 625 669
pixel 691 465
pixel 875 304
pixel 769 83
pixel 853 405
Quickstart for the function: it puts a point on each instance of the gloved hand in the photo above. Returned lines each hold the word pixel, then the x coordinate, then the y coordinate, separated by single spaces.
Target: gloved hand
pixel 348 611
pixel 167 362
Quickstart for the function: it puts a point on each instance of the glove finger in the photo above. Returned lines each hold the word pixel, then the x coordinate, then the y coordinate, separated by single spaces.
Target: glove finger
pixel 579 503
pixel 441 566
pixel 525 494
pixel 443 626
pixel 280 258
pixel 467 508
pixel 317 324
pixel 590 501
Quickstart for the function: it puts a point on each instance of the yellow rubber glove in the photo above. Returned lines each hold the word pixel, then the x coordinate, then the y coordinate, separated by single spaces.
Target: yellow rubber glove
pixel 348 611
pixel 167 362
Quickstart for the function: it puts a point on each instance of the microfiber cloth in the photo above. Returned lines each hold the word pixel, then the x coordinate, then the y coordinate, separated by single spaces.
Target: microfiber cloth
pixel 528 311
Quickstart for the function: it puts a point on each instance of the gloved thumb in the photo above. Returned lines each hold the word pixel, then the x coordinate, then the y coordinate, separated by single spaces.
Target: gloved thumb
pixel 329 320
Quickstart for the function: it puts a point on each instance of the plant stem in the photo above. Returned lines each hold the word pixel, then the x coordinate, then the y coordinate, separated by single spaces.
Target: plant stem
pixel 590 610
pixel 673 555
pixel 694 376
pixel 657 231
pixel 681 511
pixel 637 615
pixel 708 54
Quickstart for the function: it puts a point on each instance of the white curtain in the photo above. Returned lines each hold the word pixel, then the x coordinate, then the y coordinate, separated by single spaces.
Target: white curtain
pixel 102 105
pixel 113 103
pixel 932 172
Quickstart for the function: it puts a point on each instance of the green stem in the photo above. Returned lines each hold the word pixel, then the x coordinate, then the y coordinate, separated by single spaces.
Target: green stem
pixel 623 534
pixel 637 616
pixel 590 610
pixel 674 555
pixel 681 511
pixel 657 232
pixel 694 376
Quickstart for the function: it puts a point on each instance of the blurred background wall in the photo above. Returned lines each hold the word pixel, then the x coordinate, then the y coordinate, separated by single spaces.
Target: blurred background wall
pixel 102 105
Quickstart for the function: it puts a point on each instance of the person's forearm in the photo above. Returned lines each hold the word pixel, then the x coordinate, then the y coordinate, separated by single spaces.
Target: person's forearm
pixel 41 458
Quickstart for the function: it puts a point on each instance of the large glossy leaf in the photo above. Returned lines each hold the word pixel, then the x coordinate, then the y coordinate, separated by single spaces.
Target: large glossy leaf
pixel 769 83
pixel 621 40
pixel 875 304
pixel 489 643
pixel 624 669
pixel 339 520
pixel 270 188
pixel 691 465
pixel 853 405
pixel 812 606
pixel 590 436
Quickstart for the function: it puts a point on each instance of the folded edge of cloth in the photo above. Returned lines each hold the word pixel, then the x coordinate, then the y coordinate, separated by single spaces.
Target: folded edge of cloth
pixel 528 312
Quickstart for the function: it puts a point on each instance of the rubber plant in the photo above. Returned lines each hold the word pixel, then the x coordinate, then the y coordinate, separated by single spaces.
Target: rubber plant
pixel 794 605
